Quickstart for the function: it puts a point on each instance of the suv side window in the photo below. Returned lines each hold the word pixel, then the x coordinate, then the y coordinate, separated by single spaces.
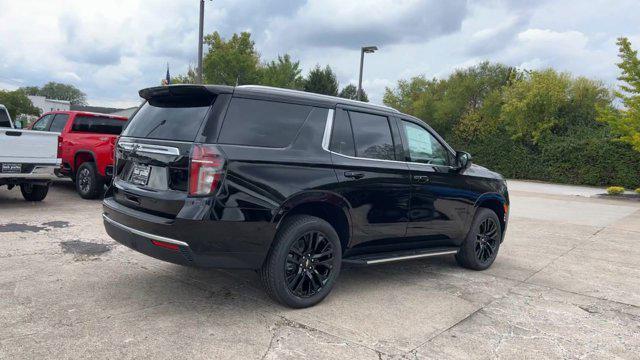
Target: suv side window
pixel 424 147
pixel 262 123
pixel 59 122
pixel 342 135
pixel 372 136
pixel 43 123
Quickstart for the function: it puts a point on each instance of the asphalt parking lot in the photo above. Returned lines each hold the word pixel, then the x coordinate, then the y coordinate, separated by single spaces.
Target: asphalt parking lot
pixel 566 284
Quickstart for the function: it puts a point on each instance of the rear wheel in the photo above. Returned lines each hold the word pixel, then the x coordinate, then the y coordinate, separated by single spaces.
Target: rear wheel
pixel 481 246
pixel 89 183
pixel 32 192
pixel 304 262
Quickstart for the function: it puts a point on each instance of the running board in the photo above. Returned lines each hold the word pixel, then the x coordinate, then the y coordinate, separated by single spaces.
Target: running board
pixel 381 258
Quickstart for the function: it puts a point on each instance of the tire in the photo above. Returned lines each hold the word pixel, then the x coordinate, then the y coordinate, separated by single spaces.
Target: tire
pixel 481 246
pixel 89 184
pixel 34 192
pixel 287 262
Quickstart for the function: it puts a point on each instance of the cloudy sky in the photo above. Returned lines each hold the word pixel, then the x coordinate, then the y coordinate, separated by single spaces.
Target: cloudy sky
pixel 110 49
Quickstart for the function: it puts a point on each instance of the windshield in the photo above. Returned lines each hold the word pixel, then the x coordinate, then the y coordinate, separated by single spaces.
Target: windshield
pixel 168 120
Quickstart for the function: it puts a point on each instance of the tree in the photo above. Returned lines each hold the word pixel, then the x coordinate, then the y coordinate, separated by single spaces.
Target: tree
pixel 17 103
pixel 189 78
pixel 548 102
pixel 58 91
pixel 351 92
pixel 231 62
pixel 458 102
pixel 321 81
pixel 625 123
pixel 283 73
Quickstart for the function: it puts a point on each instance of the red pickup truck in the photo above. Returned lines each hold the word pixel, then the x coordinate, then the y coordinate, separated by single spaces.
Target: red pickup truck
pixel 85 145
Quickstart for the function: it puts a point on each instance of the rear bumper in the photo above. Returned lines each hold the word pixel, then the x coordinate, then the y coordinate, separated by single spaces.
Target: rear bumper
pixel 201 243
pixel 33 172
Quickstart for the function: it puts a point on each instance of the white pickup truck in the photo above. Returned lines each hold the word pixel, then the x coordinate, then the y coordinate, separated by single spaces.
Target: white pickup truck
pixel 27 158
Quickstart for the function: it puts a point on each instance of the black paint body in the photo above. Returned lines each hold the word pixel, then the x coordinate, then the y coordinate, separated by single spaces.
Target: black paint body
pixel 384 210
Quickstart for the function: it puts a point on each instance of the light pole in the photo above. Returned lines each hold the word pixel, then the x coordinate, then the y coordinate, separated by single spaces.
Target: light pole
pixel 368 50
pixel 200 36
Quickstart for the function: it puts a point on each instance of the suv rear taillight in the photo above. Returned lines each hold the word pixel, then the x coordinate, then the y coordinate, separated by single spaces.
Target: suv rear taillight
pixel 206 170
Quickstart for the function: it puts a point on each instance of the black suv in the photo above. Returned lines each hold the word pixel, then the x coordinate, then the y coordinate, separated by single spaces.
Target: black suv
pixel 294 185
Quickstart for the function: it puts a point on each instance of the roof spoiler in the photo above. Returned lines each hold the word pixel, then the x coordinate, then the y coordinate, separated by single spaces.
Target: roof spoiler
pixel 184 90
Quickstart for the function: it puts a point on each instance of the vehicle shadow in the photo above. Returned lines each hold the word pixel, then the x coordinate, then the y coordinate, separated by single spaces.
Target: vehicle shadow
pixel 243 287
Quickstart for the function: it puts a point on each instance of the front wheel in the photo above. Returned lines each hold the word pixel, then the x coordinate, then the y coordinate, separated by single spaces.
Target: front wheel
pixel 32 192
pixel 481 246
pixel 303 263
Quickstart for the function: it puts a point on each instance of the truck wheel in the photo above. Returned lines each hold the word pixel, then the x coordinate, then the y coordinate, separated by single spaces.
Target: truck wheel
pixel 32 192
pixel 481 246
pixel 89 183
pixel 303 263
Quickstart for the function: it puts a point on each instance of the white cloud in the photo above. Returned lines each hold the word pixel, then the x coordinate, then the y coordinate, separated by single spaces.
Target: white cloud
pixel 111 49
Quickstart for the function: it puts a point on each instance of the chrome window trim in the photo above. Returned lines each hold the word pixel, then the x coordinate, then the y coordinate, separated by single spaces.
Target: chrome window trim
pixel 150 149
pixel 326 141
pixel 142 233
pixel 328 128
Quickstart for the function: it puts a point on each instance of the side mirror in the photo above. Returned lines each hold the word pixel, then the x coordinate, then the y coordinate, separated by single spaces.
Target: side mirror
pixel 463 160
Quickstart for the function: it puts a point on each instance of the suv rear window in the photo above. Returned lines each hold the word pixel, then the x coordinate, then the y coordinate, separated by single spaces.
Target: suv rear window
pixel 262 123
pixel 98 124
pixel 171 118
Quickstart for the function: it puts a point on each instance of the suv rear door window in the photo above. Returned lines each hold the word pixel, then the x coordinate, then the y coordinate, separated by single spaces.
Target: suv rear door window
pixel 342 135
pixel 372 136
pixel 173 118
pixel 97 124
pixel 59 122
pixel 262 123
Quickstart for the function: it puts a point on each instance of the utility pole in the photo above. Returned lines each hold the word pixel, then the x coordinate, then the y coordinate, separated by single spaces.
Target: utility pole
pixel 200 39
pixel 368 50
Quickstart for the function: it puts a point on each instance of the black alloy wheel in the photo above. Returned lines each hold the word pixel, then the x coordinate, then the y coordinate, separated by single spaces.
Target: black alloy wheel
pixel 303 263
pixel 486 241
pixel 480 248
pixel 309 264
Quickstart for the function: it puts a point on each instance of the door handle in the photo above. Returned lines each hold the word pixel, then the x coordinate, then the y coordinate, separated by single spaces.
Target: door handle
pixel 13 133
pixel 421 179
pixel 353 175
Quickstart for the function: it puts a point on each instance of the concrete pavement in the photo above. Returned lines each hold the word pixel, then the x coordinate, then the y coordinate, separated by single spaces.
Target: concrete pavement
pixel 566 284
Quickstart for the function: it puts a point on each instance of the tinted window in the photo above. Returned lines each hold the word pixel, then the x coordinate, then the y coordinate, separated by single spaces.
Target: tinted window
pixel 43 123
pixel 4 119
pixel 171 118
pixel 372 136
pixel 97 124
pixel 424 147
pixel 342 135
pixel 262 123
pixel 58 123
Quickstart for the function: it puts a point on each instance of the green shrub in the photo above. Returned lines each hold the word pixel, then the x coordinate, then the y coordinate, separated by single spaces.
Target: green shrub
pixel 615 190
pixel 637 191
pixel 585 157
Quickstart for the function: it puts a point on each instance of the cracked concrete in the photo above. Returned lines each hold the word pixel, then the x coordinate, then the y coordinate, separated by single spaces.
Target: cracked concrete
pixel 565 285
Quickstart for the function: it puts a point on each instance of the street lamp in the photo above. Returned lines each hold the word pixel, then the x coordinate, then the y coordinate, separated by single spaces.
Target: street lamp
pixel 200 39
pixel 368 50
